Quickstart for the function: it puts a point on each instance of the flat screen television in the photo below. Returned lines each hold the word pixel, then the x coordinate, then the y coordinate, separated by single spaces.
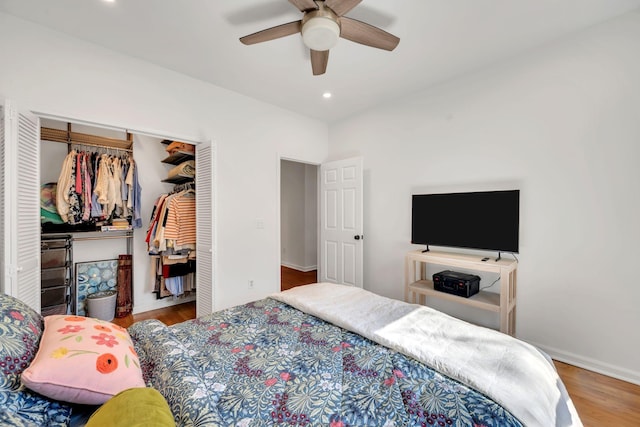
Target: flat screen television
pixel 487 220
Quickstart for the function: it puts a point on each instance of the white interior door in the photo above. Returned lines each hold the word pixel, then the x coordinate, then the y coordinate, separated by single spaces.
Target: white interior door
pixel 341 224
pixel 21 206
pixel 205 225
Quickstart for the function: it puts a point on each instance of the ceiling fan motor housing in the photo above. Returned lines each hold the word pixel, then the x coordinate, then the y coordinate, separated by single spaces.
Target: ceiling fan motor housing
pixel 320 29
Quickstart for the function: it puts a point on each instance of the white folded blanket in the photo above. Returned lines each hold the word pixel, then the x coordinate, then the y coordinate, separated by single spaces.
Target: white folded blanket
pixel 513 373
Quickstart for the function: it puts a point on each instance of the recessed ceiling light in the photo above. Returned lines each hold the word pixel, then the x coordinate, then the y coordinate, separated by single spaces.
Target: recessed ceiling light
pixel 326 95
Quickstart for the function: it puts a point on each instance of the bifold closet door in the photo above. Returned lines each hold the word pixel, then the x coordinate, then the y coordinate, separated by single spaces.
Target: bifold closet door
pixel 4 278
pixel 205 224
pixel 20 212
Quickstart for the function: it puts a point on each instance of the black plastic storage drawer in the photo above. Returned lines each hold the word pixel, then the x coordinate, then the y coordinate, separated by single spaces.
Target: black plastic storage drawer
pixel 52 258
pixel 53 277
pixel 54 309
pixel 53 244
pixel 53 296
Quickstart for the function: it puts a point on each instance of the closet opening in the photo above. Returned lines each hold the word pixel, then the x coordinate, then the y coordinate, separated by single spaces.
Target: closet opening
pixel 116 238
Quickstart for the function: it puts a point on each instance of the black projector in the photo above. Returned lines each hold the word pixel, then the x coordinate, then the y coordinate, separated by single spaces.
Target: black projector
pixel 453 282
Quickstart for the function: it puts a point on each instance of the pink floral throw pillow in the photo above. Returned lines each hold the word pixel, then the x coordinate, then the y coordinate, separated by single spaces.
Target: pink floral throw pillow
pixel 83 360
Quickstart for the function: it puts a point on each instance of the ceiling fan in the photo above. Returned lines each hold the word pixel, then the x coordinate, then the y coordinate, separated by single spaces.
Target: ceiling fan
pixel 322 24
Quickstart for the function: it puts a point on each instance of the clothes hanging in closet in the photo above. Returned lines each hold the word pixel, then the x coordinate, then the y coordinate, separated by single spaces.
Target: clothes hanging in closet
pixel 95 187
pixel 173 275
pixel 172 228
pixel 171 241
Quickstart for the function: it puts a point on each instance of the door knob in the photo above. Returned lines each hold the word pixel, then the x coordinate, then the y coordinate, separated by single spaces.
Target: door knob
pixel 358 237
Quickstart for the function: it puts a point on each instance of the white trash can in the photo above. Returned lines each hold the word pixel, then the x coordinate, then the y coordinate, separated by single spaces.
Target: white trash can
pixel 102 305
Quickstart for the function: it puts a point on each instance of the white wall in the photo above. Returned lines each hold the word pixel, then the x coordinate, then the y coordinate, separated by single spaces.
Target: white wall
pixel 311 225
pixel 292 214
pixel 148 153
pixel 298 215
pixel 562 123
pixel 51 73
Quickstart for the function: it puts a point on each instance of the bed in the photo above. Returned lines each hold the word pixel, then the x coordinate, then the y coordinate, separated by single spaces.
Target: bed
pixel 333 355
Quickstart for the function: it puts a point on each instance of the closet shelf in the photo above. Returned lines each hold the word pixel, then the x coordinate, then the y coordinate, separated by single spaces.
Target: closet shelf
pixel 69 137
pixel 178 179
pixel 179 157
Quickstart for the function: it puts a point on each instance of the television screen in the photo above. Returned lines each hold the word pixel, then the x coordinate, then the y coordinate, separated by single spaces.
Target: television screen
pixel 486 220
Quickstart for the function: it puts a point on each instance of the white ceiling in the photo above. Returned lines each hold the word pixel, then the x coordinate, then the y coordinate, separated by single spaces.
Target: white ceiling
pixel 439 39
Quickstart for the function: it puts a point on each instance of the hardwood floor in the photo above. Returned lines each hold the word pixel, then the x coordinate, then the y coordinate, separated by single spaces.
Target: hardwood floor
pixel 290 278
pixel 599 400
pixel 168 316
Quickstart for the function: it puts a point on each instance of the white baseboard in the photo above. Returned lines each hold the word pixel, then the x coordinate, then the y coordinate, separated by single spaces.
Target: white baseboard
pixel 299 268
pixel 607 369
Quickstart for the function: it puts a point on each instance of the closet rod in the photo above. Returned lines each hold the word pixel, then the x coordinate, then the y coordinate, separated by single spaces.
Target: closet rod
pixel 69 137
pixel 107 147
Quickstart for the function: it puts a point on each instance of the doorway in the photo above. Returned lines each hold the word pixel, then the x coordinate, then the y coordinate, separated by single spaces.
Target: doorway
pixel 298 223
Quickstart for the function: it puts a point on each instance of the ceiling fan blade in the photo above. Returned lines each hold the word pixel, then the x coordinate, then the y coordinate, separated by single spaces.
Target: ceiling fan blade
pixel 366 34
pixel 272 33
pixel 319 61
pixel 304 5
pixel 340 7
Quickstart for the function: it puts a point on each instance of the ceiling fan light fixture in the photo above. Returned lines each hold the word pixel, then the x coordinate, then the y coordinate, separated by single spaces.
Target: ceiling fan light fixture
pixel 320 33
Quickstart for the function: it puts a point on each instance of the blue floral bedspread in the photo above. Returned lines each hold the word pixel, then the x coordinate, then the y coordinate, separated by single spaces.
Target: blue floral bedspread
pixel 266 363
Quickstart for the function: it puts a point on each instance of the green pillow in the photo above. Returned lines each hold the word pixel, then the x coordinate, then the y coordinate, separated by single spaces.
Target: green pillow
pixel 134 407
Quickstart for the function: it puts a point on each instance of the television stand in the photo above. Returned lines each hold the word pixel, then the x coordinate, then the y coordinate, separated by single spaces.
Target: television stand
pixel 418 287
